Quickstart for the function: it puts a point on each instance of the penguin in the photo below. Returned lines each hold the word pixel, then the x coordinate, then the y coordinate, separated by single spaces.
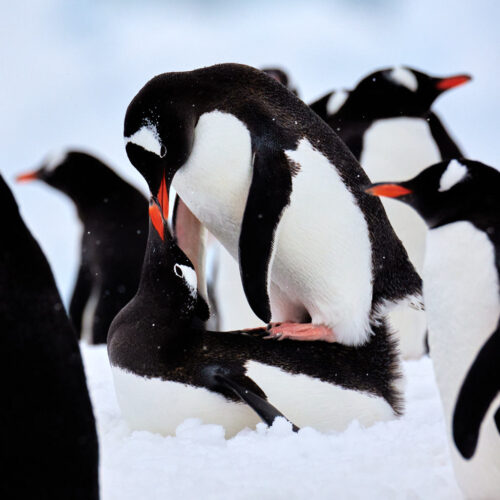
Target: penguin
pixel 113 241
pixel 459 202
pixel 48 440
pixel 167 367
pixel 275 185
pixel 387 122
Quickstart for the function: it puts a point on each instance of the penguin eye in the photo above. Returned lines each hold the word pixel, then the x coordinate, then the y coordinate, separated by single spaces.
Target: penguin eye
pixel 163 151
pixel 178 271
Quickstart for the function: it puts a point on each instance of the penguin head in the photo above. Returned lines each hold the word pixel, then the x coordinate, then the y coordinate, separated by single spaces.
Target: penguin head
pixel 399 91
pixel 168 273
pixel 72 172
pixel 447 192
pixel 156 147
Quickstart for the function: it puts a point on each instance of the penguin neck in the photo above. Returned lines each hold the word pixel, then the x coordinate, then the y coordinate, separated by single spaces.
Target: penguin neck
pixel 159 285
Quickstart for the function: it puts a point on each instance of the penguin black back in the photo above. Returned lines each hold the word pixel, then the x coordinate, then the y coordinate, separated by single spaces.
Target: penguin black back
pixel 113 240
pixel 48 438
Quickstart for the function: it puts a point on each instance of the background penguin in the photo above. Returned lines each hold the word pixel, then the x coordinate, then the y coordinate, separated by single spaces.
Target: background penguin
pixel 459 201
pixel 280 191
pixel 387 122
pixel 48 442
pixel 167 367
pixel 113 240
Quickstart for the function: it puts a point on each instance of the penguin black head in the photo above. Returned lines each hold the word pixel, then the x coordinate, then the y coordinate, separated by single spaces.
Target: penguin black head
pixel 448 191
pixel 72 172
pixel 399 91
pixel 168 274
pixel 158 148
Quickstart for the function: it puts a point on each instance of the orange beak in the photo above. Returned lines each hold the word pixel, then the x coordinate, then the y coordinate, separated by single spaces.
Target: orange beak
pixel 452 81
pixel 388 190
pixel 27 177
pixel 157 220
pixel 162 197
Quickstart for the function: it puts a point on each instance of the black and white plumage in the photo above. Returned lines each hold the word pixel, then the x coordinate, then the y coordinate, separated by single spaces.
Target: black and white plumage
pixel 459 202
pixel 388 123
pixel 48 441
pixel 167 367
pixel 280 191
pixel 113 240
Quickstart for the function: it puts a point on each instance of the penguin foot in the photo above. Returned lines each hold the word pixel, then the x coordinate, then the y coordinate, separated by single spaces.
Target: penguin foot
pixel 301 331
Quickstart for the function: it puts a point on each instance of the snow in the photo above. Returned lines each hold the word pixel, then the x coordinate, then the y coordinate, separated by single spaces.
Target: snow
pixel 404 458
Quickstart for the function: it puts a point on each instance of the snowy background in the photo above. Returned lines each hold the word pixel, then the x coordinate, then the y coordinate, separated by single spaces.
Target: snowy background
pixel 69 70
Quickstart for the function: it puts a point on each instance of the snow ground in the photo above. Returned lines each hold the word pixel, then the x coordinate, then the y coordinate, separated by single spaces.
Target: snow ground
pixel 406 458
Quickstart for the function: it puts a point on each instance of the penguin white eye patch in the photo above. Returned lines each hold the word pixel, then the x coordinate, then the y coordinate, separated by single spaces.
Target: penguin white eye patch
pixel 148 139
pixel 189 276
pixel 455 172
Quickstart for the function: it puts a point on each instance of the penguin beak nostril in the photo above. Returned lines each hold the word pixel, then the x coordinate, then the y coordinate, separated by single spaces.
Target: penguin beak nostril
pixel 388 190
pixel 28 176
pixel 452 81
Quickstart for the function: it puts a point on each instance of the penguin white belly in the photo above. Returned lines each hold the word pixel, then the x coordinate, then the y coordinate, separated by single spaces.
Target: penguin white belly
pixel 322 257
pixel 398 149
pixel 160 406
pixel 309 402
pixel 461 293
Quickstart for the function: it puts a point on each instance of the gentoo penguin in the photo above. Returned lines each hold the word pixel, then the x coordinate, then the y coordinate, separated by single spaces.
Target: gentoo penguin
pixel 275 185
pixel 459 202
pixel 48 438
pixel 167 367
pixel 387 122
pixel 113 240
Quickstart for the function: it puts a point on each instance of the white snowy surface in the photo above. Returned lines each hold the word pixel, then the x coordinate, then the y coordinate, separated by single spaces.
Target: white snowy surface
pixel 403 459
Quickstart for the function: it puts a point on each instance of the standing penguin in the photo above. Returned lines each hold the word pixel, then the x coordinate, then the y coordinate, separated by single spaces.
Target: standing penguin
pixel 275 185
pixel 48 440
pixel 113 241
pixel 387 122
pixel 459 201
pixel 167 367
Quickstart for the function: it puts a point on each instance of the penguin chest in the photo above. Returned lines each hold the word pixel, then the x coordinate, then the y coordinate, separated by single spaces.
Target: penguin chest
pixel 461 293
pixel 215 180
pixel 398 149
pixel 156 405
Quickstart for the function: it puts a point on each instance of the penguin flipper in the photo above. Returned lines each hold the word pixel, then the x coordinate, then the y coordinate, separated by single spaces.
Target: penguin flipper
pixel 478 390
pixel 247 390
pixel 81 294
pixel 268 196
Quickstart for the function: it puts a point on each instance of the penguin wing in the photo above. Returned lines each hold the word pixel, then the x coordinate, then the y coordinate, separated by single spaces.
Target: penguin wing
pixel 268 196
pixel 447 147
pixel 245 389
pixel 480 387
